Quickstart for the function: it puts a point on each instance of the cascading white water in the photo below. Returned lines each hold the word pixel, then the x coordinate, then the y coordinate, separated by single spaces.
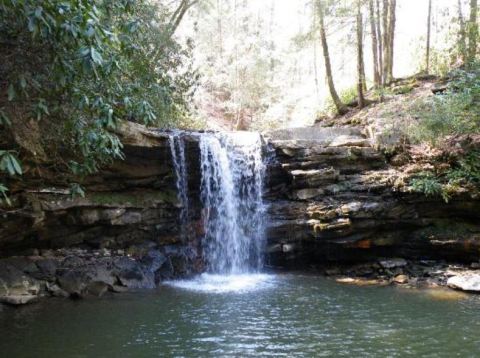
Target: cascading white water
pixel 233 209
pixel 177 148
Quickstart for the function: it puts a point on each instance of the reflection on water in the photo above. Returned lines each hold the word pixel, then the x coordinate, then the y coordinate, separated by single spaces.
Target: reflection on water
pixel 215 316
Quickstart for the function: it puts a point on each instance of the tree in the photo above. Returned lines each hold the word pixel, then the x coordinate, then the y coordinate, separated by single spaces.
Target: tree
pixel 388 20
pixel 80 68
pixel 360 64
pixel 462 34
pixel 386 41
pixel 429 25
pixel 391 38
pixel 178 15
pixel 339 105
pixel 380 42
pixel 373 30
pixel 472 32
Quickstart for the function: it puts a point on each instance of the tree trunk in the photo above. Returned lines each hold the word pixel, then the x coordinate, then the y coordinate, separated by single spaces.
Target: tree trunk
pixel 386 37
pixel 462 41
pixel 429 26
pixel 341 108
pixel 391 38
pixel 472 32
pixel 380 43
pixel 178 15
pixel 360 64
pixel 373 30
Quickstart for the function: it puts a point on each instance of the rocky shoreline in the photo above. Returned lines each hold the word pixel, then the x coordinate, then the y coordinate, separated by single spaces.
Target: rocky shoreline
pixel 407 273
pixel 80 273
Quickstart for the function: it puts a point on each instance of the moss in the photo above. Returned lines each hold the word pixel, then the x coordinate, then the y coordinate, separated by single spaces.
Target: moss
pixel 136 199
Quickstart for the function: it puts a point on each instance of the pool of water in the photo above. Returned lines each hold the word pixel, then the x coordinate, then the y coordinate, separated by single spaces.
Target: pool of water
pixel 261 315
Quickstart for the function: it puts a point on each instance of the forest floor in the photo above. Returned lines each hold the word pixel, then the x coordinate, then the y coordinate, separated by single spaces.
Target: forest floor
pixel 395 106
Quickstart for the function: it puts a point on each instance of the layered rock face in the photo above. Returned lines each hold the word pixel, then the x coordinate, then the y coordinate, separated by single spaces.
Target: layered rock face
pixel 335 198
pixel 332 198
pixel 124 233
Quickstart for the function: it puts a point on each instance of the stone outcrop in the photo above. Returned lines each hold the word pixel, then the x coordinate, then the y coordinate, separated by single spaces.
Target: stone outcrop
pixel 333 198
pixel 79 273
pixel 339 199
pixel 132 201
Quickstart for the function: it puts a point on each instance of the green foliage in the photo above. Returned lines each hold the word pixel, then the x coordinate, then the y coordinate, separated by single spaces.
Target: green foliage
pixel 466 171
pixel 347 96
pixel 81 66
pixel 9 163
pixel 3 195
pixel 463 173
pixel 428 184
pixel 453 113
pixel 76 190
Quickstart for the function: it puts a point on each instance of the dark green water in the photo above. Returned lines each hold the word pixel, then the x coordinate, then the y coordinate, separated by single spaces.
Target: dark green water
pixel 280 316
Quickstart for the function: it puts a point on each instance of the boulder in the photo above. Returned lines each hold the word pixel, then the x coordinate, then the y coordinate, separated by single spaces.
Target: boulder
pixel 74 282
pixel 400 279
pixel 46 269
pixel 130 273
pixel 469 282
pixel 97 288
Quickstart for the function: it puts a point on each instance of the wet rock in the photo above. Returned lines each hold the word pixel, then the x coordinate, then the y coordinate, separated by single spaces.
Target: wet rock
pixel 393 263
pixel 17 300
pixel 22 263
pixel 119 289
pixel 55 290
pixel 166 271
pixel 97 288
pixel 74 282
pixel 469 282
pixel 46 269
pixel 153 260
pixel 400 279
pixel 131 275
pixel 335 271
pixel 15 282
pixel 103 271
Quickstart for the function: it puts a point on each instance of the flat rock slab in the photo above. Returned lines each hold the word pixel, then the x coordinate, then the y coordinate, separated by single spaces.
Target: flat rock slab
pixel 466 282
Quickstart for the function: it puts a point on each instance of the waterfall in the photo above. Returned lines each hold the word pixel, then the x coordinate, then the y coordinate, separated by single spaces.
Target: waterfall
pixel 231 193
pixel 177 148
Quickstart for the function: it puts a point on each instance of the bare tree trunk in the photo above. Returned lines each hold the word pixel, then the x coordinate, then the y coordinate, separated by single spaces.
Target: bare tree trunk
pixel 315 57
pixel 341 108
pixel 429 26
pixel 373 30
pixel 462 41
pixel 380 42
pixel 386 37
pixel 391 38
pixel 178 15
pixel 360 64
pixel 472 32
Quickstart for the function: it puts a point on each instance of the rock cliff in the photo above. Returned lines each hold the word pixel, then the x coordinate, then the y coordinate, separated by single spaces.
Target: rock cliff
pixel 332 197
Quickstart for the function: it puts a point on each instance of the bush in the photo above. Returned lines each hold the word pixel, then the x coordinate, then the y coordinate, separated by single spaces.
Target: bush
pixel 78 67
pixel 455 112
